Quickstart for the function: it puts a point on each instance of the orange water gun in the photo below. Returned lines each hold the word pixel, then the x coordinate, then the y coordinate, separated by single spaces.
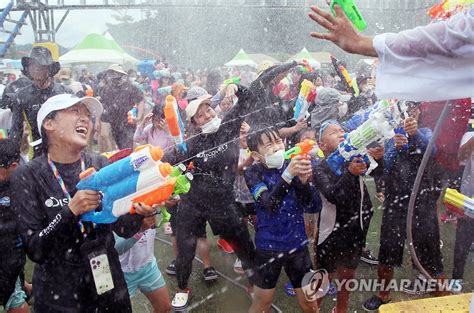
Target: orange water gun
pixel 301 148
pixel 139 178
pixel 175 124
pixel 447 8
pixel 345 77
pixel 132 115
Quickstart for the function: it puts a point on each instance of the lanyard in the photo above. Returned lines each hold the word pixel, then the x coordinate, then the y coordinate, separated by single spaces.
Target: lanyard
pixel 61 183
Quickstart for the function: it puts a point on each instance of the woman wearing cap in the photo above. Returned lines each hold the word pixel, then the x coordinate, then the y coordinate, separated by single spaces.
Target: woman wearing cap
pixel 48 206
pixel 214 153
pixel 40 68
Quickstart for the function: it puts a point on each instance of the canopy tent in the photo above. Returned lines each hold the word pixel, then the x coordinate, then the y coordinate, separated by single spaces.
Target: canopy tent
pixel 241 59
pixel 97 48
pixel 305 55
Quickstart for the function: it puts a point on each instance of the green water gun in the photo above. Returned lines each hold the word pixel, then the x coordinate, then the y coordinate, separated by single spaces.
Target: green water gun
pixel 232 80
pixel 352 12
pixel 182 186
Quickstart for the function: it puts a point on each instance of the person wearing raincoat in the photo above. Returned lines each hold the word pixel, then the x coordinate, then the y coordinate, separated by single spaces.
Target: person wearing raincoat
pixel 40 67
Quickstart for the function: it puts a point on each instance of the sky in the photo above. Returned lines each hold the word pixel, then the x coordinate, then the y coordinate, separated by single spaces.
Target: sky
pixel 77 25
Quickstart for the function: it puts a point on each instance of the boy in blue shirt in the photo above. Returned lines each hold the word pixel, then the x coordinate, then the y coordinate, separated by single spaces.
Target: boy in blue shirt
pixel 281 191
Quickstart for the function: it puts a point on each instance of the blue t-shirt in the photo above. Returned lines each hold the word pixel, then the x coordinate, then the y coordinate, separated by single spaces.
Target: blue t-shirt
pixel 282 228
pixel 317 204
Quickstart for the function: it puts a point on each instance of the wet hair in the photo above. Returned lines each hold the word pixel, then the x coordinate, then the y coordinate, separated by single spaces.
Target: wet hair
pixel 170 78
pixel 10 153
pixel 305 130
pixel 255 139
pixel 44 138
pixel 157 111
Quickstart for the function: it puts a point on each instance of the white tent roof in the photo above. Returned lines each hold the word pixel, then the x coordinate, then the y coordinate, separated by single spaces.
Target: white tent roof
pixel 96 56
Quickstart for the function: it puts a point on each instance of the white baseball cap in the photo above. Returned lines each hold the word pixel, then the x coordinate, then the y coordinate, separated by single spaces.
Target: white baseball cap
pixel 193 106
pixel 117 68
pixel 64 101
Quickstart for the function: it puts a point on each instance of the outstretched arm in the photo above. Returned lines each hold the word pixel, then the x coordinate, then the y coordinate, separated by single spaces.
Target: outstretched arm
pixel 341 32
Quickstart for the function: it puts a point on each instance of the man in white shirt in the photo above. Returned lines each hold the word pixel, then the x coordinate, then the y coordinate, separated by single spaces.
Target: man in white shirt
pixel 429 63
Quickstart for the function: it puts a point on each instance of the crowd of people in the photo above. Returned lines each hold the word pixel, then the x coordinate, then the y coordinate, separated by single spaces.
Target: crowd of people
pixel 238 124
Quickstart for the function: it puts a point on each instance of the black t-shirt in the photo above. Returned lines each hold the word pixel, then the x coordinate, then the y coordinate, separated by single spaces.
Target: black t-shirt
pixel 53 238
pixel 118 100
pixel 215 157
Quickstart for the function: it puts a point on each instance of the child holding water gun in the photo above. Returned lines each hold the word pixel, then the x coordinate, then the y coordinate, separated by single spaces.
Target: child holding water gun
pixel 402 158
pixel 154 133
pixel 311 212
pixel 281 191
pixel 346 212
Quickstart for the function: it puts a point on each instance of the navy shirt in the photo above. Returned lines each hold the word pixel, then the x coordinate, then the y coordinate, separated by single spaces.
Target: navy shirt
pixel 280 207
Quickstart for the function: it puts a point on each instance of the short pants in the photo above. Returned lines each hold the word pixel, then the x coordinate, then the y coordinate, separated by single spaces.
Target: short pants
pixel 200 230
pixel 147 279
pixel 337 251
pixel 296 265
pixel 17 298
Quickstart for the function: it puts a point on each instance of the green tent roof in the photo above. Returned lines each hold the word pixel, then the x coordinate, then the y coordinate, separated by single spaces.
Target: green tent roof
pixel 97 41
pixel 241 59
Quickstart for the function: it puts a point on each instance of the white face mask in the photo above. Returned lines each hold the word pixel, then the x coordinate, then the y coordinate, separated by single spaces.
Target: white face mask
pixel 342 109
pixel 275 160
pixel 212 126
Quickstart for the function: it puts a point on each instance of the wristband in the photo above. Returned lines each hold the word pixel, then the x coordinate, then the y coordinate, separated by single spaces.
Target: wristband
pixel 287 176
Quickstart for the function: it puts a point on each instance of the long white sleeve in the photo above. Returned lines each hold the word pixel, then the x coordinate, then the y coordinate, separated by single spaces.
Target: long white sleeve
pixel 429 63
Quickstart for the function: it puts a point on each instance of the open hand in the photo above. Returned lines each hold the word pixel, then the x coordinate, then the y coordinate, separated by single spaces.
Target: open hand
pixel 341 32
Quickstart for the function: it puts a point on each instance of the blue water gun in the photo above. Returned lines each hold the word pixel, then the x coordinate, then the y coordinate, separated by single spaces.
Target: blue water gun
pixel 138 178
pixel 132 115
pixel 380 125
pixel 305 97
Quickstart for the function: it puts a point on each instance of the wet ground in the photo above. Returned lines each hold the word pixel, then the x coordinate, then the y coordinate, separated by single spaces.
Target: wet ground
pixel 225 296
